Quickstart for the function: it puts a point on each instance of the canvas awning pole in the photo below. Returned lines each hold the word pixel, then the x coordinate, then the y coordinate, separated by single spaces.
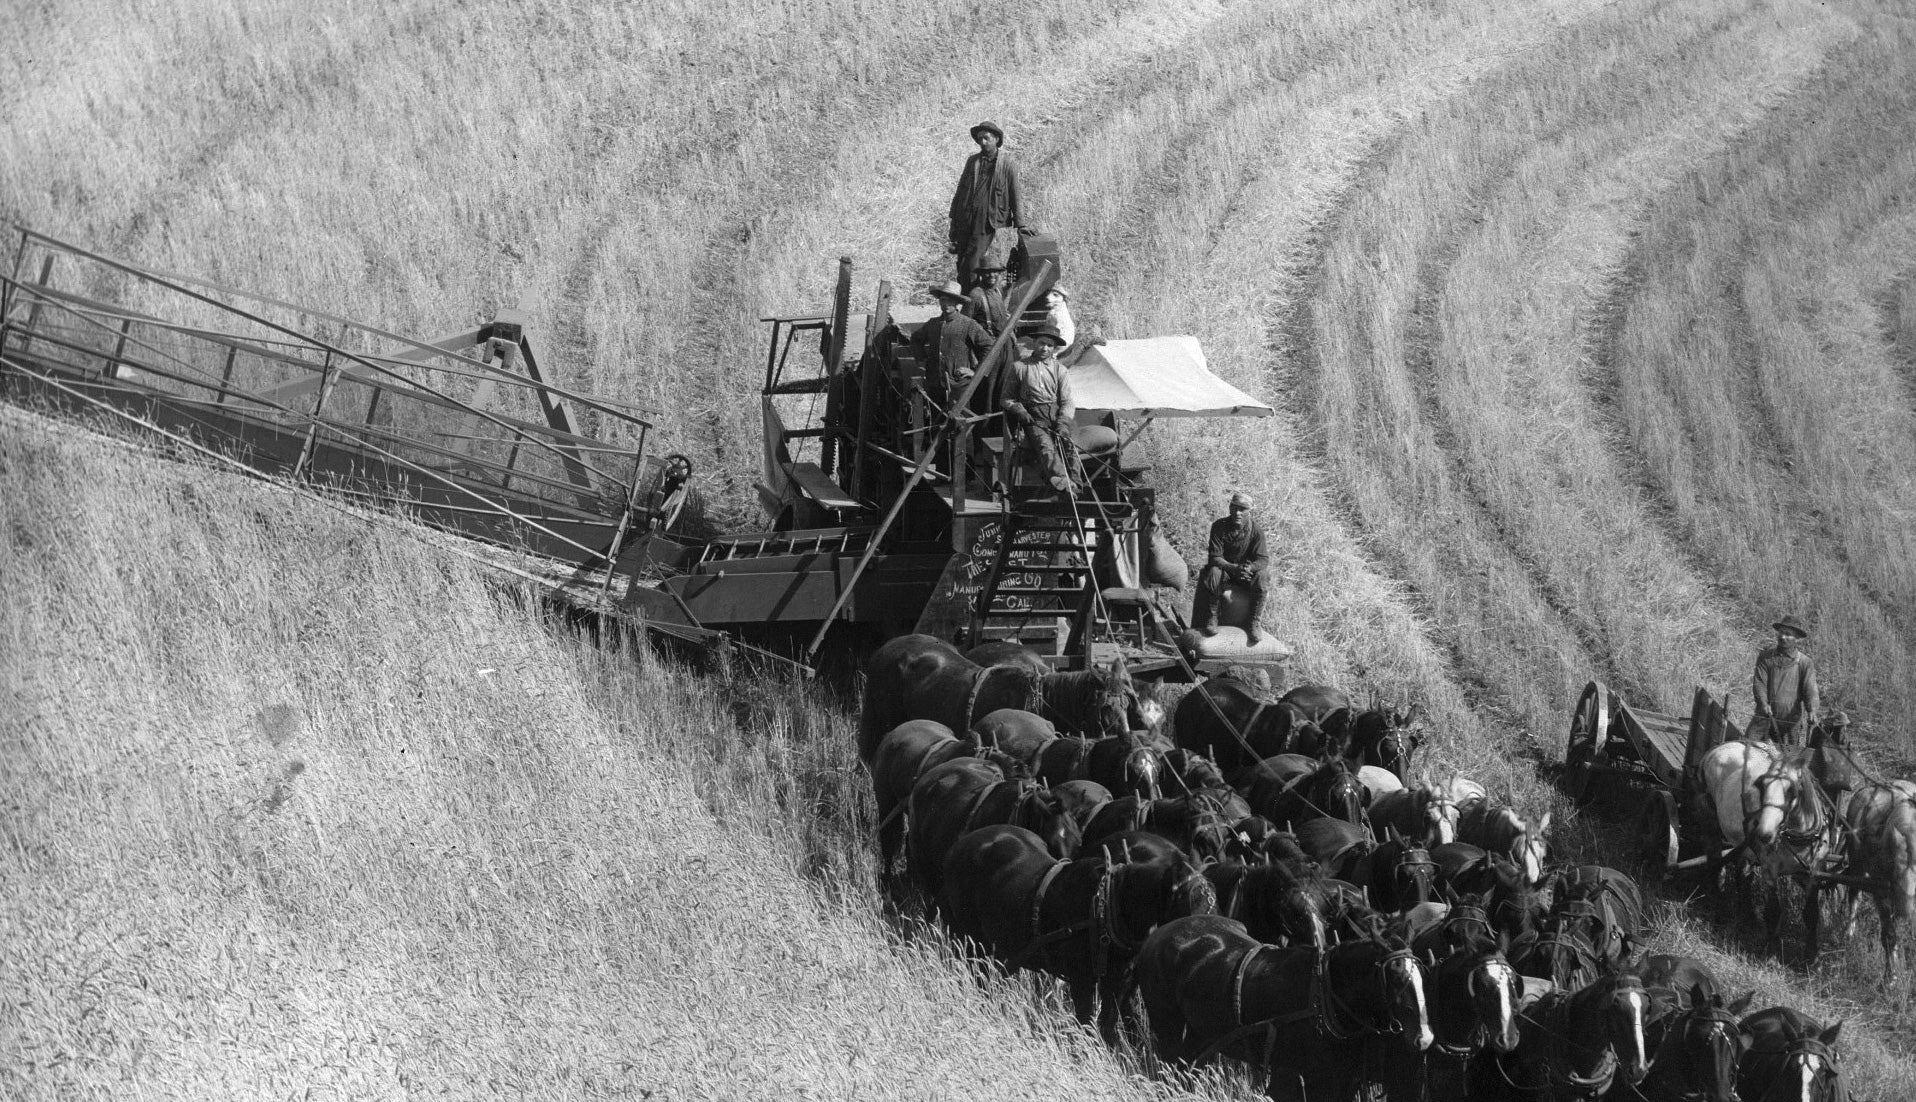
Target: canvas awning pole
pixel 962 402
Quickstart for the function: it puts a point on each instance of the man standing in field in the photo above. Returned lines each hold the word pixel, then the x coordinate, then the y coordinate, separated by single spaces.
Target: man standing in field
pixel 1785 687
pixel 1037 398
pixel 986 202
pixel 949 346
pixel 1236 555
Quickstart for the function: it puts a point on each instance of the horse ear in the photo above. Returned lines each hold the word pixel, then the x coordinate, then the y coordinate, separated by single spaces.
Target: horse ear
pixel 1543 824
pixel 1742 1006
pixel 1697 997
pixel 1828 1036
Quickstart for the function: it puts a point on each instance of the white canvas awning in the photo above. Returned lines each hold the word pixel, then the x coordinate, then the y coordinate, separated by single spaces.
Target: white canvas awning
pixel 1157 377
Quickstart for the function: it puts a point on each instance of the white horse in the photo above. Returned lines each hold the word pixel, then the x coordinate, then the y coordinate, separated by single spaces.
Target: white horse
pixel 1882 822
pixel 1773 816
pixel 1728 776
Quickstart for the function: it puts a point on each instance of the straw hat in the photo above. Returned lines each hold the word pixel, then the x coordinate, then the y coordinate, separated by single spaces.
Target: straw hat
pixel 950 290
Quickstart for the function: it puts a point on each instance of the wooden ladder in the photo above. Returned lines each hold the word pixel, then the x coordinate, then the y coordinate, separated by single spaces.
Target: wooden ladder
pixel 1042 572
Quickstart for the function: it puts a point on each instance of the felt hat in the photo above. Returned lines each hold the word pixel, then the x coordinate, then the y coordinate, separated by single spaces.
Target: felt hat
pixel 991 126
pixel 1047 332
pixel 1792 625
pixel 991 264
pixel 1241 498
pixel 950 290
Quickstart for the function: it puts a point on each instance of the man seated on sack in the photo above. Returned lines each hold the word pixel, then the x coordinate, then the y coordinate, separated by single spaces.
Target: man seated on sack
pixel 1237 557
pixel 1038 402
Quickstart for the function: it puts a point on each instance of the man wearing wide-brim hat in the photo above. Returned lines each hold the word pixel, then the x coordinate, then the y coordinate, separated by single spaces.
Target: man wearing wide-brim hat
pixel 950 346
pixel 986 208
pixel 1784 686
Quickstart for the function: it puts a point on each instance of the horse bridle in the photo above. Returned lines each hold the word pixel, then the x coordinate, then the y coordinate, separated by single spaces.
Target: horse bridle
pixel 1799 1049
pixel 1718 1022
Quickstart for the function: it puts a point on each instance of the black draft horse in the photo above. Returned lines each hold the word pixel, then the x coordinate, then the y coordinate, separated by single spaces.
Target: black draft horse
pixel 1324 1024
pixel 920 677
pixel 1079 920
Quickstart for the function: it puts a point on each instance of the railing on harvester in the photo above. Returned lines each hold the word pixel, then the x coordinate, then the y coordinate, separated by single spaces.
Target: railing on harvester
pixel 462 431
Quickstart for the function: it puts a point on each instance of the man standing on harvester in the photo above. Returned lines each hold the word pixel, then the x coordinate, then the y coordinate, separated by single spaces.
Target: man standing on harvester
pixel 1785 687
pixel 986 202
pixel 949 347
pixel 1236 557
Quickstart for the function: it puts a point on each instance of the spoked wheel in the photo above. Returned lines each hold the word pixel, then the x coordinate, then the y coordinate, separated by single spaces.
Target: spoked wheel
pixel 1589 726
pixel 1654 832
pixel 674 476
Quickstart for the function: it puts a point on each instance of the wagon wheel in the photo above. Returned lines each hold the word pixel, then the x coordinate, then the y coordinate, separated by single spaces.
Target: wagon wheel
pixel 1589 726
pixel 1654 833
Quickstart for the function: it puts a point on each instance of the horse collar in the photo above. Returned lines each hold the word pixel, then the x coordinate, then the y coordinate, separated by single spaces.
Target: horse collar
pixel 1237 983
pixel 1037 899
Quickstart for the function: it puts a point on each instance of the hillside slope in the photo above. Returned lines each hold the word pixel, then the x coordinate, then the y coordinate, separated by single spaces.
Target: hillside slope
pixel 296 803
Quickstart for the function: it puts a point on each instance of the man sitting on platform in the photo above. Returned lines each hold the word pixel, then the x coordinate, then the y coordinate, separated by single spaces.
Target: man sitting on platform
pixel 1237 557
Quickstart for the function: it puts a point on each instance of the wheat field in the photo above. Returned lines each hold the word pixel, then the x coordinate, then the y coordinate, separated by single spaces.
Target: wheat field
pixel 1591 328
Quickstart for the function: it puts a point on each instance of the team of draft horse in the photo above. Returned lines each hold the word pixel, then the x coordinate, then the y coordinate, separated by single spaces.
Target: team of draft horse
pixel 1815 818
pixel 1275 883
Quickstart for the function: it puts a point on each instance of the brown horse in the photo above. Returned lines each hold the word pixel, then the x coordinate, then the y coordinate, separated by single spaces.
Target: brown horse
pixel 1574 1044
pixel 1387 739
pixel 1423 813
pixel 1125 765
pixel 1226 722
pixel 964 794
pixel 1324 1023
pixel 1790 1059
pixel 1291 789
pixel 1694 1039
pixel 919 677
pixel 1080 920
pixel 1499 829
pixel 906 753
pixel 1276 904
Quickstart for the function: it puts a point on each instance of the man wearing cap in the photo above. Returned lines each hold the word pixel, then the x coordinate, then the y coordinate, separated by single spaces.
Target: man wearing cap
pixel 1236 555
pixel 1037 399
pixel 986 201
pixel 1057 311
pixel 949 346
pixel 986 303
pixel 1784 686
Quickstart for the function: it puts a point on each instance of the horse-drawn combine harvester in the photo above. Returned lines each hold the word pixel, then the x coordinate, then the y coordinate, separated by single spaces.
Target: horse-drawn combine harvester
pixel 888 519
pixel 884 516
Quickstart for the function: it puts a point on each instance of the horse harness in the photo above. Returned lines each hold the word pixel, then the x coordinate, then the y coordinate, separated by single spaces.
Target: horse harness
pixel 1034 699
pixel 1719 1021
pixel 1557 1051
pixel 1324 1006
pixel 1796 842
pixel 1103 908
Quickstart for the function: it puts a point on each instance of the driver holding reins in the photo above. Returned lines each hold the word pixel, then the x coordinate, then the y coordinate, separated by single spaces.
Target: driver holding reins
pixel 1785 687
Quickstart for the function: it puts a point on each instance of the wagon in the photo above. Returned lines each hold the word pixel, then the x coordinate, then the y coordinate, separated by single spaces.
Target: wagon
pixel 1644 763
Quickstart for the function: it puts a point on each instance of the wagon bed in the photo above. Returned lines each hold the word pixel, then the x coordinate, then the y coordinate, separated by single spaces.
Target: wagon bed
pixel 1648 758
